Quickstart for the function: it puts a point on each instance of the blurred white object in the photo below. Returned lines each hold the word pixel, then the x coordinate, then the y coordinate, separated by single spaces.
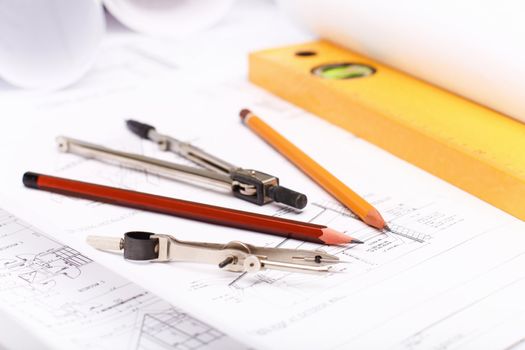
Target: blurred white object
pixel 473 48
pixel 48 44
pixel 169 18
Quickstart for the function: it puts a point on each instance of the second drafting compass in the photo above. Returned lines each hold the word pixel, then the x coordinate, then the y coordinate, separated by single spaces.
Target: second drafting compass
pixel 251 185
pixel 234 256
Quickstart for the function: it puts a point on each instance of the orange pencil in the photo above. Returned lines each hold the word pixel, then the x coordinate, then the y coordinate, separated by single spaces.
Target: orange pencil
pixel 329 182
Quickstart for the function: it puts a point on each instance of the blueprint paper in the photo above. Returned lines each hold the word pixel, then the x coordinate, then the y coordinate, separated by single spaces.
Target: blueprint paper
pixel 70 301
pixel 460 283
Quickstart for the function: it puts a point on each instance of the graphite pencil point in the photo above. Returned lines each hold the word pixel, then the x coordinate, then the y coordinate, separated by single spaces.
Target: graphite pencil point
pixel 333 237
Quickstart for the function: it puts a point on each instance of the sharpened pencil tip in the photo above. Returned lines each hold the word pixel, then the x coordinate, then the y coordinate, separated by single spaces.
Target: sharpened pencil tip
pixel 373 218
pixel 356 241
pixel 333 237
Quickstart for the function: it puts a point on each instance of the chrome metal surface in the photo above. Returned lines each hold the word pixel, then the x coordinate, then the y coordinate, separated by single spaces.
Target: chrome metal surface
pixel 234 256
pixel 191 152
pixel 139 162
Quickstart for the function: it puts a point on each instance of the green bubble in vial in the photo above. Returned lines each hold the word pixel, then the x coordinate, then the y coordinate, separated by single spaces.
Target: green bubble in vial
pixel 345 71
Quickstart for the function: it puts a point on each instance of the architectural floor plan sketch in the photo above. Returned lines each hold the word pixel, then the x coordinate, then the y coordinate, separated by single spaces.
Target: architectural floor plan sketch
pixel 73 302
pixel 41 269
pixel 174 327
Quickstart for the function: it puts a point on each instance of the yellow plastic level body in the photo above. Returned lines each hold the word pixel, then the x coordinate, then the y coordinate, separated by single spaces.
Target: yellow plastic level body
pixel 468 145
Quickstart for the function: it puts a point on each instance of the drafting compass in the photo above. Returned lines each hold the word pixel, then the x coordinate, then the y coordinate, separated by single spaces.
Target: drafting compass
pixel 234 256
pixel 250 185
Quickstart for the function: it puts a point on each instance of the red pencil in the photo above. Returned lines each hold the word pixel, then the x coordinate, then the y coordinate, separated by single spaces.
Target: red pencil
pixel 191 210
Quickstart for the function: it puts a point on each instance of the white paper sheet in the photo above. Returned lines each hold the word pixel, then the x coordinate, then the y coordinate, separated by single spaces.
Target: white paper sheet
pixel 69 301
pixel 460 288
pixel 473 48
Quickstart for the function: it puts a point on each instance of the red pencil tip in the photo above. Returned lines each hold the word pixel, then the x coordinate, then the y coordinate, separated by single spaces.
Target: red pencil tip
pixel 333 237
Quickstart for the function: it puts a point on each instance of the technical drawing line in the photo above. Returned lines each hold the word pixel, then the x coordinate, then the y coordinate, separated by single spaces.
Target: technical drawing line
pixel 317 215
pixel 477 301
pixel 394 228
pixel 463 308
pixel 428 259
pixel 84 305
pixel 403 232
pixel 177 330
pixel 340 210
pixel 516 345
